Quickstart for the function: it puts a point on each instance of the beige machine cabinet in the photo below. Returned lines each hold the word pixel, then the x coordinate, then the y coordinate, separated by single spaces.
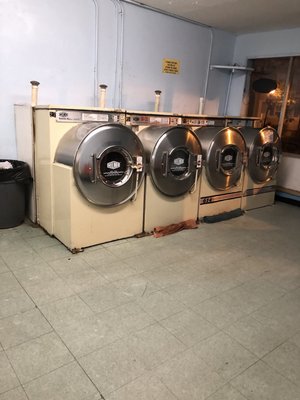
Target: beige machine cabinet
pixel 79 224
pixel 263 160
pixel 174 160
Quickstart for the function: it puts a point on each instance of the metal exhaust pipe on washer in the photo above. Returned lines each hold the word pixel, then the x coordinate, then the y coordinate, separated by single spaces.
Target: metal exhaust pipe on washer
pixel 157 100
pixel 34 92
pixel 102 95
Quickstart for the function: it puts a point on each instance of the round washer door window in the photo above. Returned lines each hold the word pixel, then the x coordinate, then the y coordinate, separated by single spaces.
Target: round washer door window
pixel 228 159
pixel 267 156
pixel 115 166
pixel 179 162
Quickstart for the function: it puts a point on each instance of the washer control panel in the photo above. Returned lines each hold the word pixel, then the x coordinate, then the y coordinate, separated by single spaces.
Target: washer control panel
pixel 87 116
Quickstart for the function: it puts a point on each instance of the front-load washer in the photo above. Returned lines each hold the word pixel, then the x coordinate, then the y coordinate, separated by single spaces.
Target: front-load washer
pixel 224 152
pixel 51 122
pixel 97 185
pixel 264 149
pixel 174 160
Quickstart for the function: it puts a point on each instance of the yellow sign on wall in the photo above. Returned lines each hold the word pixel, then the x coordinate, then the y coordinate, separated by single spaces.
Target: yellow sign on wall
pixel 171 66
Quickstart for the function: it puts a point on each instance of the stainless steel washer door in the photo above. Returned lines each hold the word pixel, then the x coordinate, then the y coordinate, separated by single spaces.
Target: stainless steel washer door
pixel 107 161
pixel 264 152
pixel 174 156
pixel 224 152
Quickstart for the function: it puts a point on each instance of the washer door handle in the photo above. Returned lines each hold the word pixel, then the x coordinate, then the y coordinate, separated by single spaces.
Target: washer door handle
pixel 93 169
pixel 198 165
pixel 276 156
pixel 138 167
pixel 165 163
pixel 218 160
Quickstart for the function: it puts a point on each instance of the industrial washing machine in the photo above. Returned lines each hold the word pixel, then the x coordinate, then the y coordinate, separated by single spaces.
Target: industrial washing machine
pixel 97 174
pixel 264 149
pixel 174 160
pixel 51 124
pixel 224 152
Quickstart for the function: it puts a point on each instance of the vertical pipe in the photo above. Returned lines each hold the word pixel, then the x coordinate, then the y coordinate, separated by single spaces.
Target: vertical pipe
pixel 34 92
pixel 228 92
pixel 118 85
pixel 102 95
pixel 157 100
pixel 121 54
pixel 201 106
pixel 96 62
pixel 208 68
pixel 285 97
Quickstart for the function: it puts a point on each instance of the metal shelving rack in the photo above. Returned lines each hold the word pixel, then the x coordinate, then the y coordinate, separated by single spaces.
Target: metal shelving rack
pixel 232 69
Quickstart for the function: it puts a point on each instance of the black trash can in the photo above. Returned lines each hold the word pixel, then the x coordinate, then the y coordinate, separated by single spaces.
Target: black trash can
pixel 14 184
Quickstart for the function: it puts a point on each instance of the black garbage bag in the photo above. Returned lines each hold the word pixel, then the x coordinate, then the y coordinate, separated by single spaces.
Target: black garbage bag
pixel 20 172
pixel 15 185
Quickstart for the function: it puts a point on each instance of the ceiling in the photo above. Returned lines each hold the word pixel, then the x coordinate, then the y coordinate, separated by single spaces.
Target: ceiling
pixel 236 16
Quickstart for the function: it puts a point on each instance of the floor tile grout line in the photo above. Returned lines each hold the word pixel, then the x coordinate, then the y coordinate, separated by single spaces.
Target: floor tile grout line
pixel 10 390
pixel 30 339
pixel 279 372
pixel 253 311
pixel 12 367
pixel 73 355
pixel 46 373
pixel 241 344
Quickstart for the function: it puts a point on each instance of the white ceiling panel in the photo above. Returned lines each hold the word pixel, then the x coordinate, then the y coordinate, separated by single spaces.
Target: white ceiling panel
pixel 236 16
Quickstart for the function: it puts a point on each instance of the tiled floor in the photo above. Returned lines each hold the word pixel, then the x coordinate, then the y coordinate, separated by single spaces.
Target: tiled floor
pixel 211 313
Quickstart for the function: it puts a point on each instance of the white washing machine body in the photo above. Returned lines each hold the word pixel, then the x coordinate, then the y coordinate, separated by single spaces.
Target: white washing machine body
pixel 264 149
pixel 224 152
pixel 73 145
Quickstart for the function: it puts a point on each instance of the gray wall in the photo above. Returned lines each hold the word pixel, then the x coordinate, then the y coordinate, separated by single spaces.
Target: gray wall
pixel 56 42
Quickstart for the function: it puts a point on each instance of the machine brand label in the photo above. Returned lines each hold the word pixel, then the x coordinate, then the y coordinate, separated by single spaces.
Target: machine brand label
pixel 178 161
pixel 63 115
pixel 77 116
pixel 228 157
pixel 68 116
pixel 159 120
pixel 113 165
pixel 198 122
pixel 95 117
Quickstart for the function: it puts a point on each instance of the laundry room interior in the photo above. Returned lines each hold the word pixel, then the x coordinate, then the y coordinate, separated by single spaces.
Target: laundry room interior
pixel 149 200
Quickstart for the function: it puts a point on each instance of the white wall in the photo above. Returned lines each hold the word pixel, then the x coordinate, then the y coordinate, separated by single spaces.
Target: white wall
pixel 148 38
pixel 218 82
pixel 289 172
pixel 55 43
pixel 260 45
pixel 48 41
